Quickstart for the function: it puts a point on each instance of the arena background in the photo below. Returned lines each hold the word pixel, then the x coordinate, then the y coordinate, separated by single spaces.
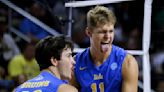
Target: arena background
pixel 60 19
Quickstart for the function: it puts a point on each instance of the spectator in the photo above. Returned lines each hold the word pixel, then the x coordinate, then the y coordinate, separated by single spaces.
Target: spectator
pixel 29 28
pixel 8 47
pixel 23 66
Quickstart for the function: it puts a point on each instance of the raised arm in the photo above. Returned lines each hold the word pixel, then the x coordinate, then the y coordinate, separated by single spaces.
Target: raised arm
pixel 130 74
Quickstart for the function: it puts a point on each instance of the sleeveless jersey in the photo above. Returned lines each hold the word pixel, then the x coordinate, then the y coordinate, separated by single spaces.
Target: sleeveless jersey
pixel 45 82
pixel 104 78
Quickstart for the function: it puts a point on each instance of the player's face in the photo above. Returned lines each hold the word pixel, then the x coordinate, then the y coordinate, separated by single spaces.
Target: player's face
pixel 102 37
pixel 66 64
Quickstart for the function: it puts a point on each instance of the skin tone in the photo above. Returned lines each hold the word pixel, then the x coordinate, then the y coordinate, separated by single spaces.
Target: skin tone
pixel 130 74
pixel 104 34
pixel 63 68
pixel 101 36
pixel 66 64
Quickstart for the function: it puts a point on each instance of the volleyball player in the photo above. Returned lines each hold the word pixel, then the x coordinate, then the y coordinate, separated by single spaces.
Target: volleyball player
pixel 54 56
pixel 104 67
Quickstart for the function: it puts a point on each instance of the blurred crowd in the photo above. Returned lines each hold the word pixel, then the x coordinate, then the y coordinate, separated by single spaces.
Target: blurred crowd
pixel 17 63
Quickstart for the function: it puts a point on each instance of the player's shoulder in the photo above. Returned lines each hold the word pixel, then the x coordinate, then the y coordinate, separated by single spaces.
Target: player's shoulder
pixel 83 53
pixel 130 61
pixel 81 57
pixel 67 88
pixel 130 58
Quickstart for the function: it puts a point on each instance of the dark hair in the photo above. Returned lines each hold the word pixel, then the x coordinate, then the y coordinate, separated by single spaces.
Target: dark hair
pixel 51 47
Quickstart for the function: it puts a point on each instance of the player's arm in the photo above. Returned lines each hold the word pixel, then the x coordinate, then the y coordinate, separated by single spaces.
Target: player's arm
pixel 66 88
pixel 130 74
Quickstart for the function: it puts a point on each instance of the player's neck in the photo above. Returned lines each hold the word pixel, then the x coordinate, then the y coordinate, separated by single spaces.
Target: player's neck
pixel 99 57
pixel 53 70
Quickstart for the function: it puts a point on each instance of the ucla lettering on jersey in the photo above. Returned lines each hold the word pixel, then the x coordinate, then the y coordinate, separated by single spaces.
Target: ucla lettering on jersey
pixel 35 84
pixel 104 78
pixel 45 82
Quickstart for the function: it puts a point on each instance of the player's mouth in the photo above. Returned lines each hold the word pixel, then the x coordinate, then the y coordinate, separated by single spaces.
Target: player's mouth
pixel 72 69
pixel 104 42
pixel 104 46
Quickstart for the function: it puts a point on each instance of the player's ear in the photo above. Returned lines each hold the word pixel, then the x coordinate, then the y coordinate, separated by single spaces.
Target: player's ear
pixel 54 61
pixel 88 32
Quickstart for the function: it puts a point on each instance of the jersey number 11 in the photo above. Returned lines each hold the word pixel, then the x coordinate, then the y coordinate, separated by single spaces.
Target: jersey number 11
pixel 100 86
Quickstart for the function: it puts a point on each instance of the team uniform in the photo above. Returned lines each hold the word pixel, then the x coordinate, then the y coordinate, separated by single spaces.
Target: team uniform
pixel 45 82
pixel 104 78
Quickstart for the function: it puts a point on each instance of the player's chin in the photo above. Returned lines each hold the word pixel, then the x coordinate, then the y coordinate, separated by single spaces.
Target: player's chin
pixel 69 75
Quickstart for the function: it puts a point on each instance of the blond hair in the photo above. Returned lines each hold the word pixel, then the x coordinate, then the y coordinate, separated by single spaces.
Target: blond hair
pixel 100 15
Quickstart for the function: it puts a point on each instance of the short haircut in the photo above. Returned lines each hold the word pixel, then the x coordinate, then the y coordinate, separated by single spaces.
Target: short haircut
pixel 51 47
pixel 100 15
